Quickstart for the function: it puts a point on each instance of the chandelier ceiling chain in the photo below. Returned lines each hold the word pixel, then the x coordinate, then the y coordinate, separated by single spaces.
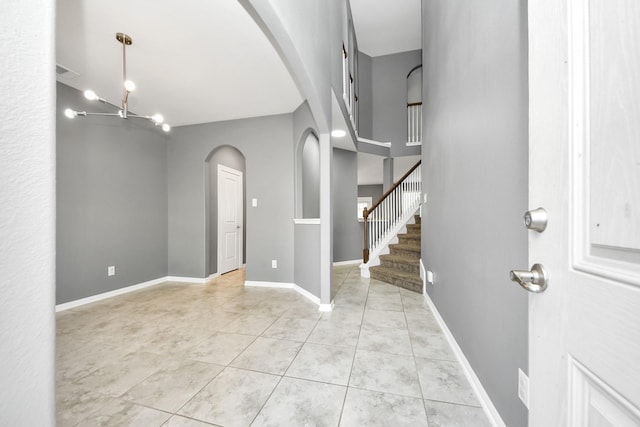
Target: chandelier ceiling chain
pixel 127 87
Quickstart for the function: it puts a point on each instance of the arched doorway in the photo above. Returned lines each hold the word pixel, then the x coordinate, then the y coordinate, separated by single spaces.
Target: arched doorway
pixel 225 206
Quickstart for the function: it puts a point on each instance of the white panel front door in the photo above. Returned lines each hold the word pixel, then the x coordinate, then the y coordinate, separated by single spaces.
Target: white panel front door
pixel 230 216
pixel 584 169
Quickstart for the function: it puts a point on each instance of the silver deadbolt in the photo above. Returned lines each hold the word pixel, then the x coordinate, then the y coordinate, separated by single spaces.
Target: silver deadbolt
pixel 536 219
pixel 535 280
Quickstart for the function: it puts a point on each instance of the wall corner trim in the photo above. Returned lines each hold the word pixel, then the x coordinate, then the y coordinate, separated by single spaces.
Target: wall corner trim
pixel 489 409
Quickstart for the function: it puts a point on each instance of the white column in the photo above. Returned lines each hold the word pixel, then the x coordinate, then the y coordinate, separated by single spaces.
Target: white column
pixel 27 213
pixel 326 224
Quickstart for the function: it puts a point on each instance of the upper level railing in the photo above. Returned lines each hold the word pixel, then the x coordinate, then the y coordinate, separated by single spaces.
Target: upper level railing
pixel 393 210
pixel 414 123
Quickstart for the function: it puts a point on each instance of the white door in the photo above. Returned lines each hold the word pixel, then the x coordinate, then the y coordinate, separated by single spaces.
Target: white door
pixel 584 169
pixel 230 215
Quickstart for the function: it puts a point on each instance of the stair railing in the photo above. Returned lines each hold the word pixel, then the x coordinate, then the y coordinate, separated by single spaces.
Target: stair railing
pixel 394 209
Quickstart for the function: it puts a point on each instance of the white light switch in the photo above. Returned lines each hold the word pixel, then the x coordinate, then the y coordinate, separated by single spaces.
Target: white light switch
pixel 523 387
pixel 274 263
pixel 254 202
pixel 111 270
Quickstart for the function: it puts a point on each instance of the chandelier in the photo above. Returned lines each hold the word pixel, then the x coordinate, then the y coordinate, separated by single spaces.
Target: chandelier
pixel 127 87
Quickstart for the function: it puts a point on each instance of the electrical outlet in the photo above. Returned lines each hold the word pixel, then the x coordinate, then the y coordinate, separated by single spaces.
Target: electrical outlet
pixel 430 277
pixel 254 202
pixel 523 388
pixel 274 263
pixel 111 270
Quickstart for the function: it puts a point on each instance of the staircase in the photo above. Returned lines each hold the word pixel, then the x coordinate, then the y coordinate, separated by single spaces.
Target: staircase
pixel 402 266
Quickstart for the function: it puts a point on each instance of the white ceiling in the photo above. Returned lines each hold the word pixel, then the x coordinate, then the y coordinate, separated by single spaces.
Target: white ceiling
pixel 207 60
pixel 194 62
pixel 384 27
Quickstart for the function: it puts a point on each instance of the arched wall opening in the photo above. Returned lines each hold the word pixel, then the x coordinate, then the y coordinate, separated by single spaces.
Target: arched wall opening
pixel 308 176
pixel 232 158
pixel 414 85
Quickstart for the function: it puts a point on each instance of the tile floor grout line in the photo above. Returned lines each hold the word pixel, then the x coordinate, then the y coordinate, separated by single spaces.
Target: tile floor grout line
pixel 194 304
pixel 355 351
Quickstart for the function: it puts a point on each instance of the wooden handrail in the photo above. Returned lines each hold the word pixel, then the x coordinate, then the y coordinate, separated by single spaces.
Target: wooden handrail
pixel 413 104
pixel 376 204
pixel 366 212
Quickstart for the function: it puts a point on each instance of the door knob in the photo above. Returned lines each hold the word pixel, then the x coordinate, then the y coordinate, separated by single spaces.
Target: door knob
pixel 535 280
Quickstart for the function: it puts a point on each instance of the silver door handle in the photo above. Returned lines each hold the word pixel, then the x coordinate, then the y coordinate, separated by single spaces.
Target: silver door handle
pixel 535 280
pixel 536 219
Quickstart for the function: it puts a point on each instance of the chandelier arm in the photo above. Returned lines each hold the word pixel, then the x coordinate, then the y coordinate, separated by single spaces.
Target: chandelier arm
pixel 84 113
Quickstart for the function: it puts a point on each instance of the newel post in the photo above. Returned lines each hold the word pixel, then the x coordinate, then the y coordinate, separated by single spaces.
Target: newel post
pixel 365 252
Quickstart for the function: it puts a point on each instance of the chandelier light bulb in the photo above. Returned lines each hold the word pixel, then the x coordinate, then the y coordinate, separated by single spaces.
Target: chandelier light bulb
pixel 90 95
pixel 166 127
pixel 129 85
pixel 70 113
pixel 157 118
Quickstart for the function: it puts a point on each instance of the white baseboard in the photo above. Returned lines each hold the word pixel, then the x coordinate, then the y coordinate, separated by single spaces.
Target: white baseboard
pixel 314 299
pixel 186 279
pixel 423 276
pixel 308 295
pixel 105 295
pixel 259 284
pixel 326 307
pixel 350 262
pixel 485 401
pixel 127 289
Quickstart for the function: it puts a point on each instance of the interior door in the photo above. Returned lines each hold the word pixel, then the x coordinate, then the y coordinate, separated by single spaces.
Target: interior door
pixel 584 169
pixel 230 216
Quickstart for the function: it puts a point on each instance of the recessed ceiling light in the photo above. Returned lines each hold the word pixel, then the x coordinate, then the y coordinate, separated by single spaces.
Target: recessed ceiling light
pixel 338 133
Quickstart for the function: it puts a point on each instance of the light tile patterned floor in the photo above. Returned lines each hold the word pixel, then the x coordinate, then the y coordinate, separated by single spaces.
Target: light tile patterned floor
pixel 225 355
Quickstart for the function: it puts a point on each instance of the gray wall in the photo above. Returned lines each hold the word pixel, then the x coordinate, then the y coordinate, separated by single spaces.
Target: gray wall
pixel 27 212
pixel 374 191
pixel 303 124
pixel 301 32
pixel 112 201
pixel 389 107
pixel 475 174
pixel 347 237
pixel 232 158
pixel 307 267
pixel 266 144
pixel 365 97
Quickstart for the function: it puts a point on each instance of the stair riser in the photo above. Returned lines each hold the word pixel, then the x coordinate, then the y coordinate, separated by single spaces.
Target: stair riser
pixel 411 286
pixel 408 239
pixel 409 268
pixel 414 228
pixel 404 253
